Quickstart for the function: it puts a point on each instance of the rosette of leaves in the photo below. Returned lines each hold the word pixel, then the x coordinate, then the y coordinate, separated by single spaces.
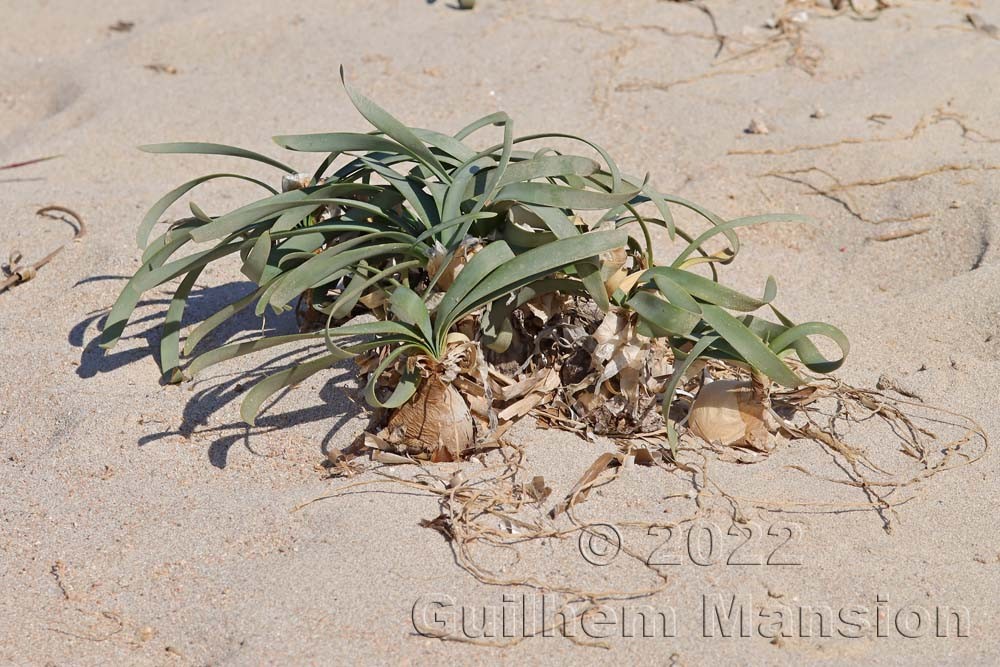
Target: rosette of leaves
pixel 384 226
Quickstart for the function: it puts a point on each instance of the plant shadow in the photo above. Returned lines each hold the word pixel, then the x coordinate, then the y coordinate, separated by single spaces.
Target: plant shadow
pixel 212 394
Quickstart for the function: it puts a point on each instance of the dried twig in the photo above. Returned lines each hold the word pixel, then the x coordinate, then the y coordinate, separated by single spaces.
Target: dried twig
pixel 17 273
pixel 25 163
pixel 903 234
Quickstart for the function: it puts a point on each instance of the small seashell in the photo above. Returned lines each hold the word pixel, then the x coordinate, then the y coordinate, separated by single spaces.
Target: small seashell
pixel 800 17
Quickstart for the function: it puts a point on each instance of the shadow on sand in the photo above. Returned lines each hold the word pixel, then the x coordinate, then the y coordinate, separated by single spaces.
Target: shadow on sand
pixel 211 394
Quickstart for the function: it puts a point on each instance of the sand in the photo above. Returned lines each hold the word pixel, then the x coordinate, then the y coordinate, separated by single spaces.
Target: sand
pixel 143 524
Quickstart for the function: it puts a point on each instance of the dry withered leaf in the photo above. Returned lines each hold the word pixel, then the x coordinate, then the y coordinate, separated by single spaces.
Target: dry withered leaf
pixel 639 456
pixel 581 489
pixel 537 489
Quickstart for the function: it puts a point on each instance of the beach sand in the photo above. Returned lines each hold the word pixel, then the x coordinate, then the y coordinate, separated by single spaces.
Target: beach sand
pixel 144 524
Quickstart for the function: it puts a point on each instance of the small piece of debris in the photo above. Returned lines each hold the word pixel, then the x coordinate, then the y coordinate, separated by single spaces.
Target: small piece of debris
pixel 977 22
pixel 888 383
pixel 818 113
pixel 902 234
pixel 879 118
pixel 955 203
pixel 121 26
pixel 757 127
pixel 58 571
pixel 145 633
pixel 160 68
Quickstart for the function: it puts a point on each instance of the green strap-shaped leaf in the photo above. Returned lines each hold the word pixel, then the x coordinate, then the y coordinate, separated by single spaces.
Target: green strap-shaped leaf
pixel 779 339
pixel 292 217
pixel 234 350
pixel 663 318
pixel 793 337
pixel 170 337
pixel 256 261
pixel 538 263
pixel 749 346
pixel 144 280
pixel 242 217
pixel 481 265
pixel 209 324
pixel 727 228
pixel 202 148
pixel 385 330
pixel 715 220
pixel 681 367
pixel 588 270
pixel 163 203
pixel 520 235
pixel 549 166
pixel 198 213
pixel 394 129
pixel 338 142
pixel 495 118
pixel 286 378
pixel 461 220
pixel 320 268
pixel 409 308
pixel 405 388
pixel 462 188
pixel 558 196
pixel 352 294
pixel 450 145
pixel 675 294
pixel 176 236
pixel 421 202
pixel 615 173
pixel 495 174
pixel 712 292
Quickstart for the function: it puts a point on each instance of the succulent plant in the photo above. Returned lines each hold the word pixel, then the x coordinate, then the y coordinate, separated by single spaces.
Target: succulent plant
pixel 445 248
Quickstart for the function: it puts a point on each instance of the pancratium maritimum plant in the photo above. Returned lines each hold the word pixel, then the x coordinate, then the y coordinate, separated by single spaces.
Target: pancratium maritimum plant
pixel 482 275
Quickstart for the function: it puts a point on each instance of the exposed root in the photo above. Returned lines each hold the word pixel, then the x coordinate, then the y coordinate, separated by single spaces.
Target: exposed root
pixel 906 178
pixel 663 86
pixel 494 511
pixel 903 234
pixel 839 193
